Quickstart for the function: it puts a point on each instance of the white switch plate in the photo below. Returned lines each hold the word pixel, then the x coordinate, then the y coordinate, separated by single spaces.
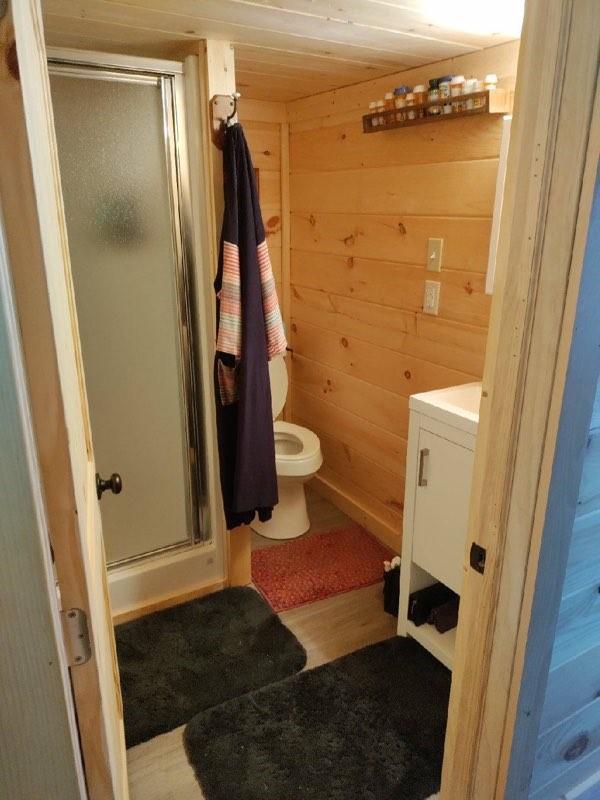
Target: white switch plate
pixel 434 254
pixel 431 301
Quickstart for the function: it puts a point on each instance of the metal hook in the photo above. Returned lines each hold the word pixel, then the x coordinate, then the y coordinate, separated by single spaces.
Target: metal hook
pixel 235 96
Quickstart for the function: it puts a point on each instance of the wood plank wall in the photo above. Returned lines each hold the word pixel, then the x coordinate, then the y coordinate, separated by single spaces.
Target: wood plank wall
pixel 362 209
pixel 568 748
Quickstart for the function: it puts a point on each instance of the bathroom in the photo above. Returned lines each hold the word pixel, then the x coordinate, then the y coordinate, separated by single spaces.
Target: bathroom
pixel 351 222
pixel 382 228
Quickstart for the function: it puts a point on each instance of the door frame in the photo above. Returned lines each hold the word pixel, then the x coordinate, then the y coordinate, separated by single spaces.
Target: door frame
pixel 552 155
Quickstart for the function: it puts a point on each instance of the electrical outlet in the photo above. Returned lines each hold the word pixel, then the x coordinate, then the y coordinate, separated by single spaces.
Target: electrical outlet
pixel 434 254
pixel 431 301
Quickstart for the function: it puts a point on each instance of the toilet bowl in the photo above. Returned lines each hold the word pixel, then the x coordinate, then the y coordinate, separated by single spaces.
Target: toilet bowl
pixel 297 459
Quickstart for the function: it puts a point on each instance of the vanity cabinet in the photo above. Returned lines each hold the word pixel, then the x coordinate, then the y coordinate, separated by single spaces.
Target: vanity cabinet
pixel 439 467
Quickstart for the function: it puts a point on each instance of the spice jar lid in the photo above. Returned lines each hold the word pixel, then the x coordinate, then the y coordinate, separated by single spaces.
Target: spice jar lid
pixel 402 90
pixel 389 95
pixel 491 78
pixel 458 79
pixel 445 79
pixel 434 83
pixel 419 88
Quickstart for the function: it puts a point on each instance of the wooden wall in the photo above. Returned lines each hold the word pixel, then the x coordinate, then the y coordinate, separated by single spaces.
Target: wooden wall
pixel 568 748
pixel 362 209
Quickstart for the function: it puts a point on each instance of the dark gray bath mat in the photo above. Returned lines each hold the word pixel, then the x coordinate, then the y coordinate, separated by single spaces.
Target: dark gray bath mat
pixel 182 660
pixel 369 726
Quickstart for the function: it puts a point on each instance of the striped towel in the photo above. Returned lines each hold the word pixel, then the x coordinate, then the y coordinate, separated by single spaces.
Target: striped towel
pixel 229 339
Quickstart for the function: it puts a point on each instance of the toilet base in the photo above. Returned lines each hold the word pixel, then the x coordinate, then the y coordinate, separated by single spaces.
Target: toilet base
pixel 290 516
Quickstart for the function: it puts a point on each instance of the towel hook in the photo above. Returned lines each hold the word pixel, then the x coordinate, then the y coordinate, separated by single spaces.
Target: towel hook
pixel 224 109
pixel 235 97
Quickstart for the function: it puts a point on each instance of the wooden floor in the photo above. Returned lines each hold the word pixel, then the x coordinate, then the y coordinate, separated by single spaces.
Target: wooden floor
pixel 158 769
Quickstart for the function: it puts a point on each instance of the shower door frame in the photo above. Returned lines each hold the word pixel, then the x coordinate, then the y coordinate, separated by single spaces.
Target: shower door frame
pixel 168 75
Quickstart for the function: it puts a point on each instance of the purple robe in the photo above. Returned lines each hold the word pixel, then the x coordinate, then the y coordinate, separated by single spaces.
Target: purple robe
pixel 249 332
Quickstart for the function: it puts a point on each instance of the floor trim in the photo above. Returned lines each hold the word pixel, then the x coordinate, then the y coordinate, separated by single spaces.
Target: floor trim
pixel 168 601
pixel 356 512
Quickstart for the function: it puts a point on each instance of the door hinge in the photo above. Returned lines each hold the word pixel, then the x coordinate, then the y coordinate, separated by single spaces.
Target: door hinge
pixel 77 636
pixel 477 557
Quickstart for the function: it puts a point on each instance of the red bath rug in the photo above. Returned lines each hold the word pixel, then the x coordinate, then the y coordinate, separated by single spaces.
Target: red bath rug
pixel 319 566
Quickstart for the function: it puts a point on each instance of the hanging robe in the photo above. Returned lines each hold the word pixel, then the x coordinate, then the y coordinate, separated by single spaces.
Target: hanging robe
pixel 249 333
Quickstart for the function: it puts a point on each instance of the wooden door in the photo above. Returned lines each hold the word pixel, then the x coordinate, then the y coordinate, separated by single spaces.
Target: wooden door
pixel 442 506
pixel 32 202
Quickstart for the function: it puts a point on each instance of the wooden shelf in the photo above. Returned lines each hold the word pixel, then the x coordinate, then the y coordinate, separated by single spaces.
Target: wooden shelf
pixel 440 645
pixel 494 102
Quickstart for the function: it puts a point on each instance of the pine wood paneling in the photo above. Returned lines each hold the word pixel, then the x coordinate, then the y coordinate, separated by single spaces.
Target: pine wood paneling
pixel 379 406
pixel 390 284
pixel 384 368
pixel 372 441
pixel 393 238
pixel 478 137
pixel 458 188
pixel 362 211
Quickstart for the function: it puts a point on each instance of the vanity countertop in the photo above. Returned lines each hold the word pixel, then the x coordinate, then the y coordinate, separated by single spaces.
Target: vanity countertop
pixel 457 405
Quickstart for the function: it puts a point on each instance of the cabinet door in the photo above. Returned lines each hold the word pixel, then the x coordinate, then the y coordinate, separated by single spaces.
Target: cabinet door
pixel 444 471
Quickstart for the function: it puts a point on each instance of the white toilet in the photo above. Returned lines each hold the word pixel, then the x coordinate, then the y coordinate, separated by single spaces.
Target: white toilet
pixel 297 458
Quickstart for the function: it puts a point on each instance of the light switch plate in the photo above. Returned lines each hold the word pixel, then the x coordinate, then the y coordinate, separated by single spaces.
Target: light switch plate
pixel 431 301
pixel 434 254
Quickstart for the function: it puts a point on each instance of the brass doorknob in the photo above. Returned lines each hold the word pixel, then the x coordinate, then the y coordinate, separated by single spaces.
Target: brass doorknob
pixel 114 483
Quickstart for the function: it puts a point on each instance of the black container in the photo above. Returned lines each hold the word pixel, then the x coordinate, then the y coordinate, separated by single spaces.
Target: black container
pixel 422 602
pixel 391 591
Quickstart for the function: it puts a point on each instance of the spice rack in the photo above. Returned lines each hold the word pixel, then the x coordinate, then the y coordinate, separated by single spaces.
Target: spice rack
pixel 496 101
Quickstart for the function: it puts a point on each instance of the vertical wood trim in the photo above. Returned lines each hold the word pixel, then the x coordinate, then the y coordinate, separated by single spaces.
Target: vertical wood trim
pixel 43 376
pixel 518 420
pixel 286 299
pixel 217 76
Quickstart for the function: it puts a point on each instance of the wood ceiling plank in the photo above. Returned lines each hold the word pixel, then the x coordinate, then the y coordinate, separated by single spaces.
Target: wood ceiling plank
pixel 414 18
pixel 239 21
pixel 298 60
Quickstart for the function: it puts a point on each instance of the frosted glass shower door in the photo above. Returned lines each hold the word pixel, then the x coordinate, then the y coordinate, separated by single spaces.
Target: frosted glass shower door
pixel 119 190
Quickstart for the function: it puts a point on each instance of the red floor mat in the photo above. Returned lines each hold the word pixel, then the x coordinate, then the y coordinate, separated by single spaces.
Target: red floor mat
pixel 304 570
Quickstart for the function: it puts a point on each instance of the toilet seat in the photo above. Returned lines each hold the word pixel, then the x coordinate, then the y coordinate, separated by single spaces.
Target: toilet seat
pixel 306 460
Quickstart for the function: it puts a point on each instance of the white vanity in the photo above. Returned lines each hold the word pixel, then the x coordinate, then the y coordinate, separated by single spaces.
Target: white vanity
pixel 439 466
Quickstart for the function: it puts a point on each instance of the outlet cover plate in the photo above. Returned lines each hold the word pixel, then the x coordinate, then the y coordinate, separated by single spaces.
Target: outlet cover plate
pixel 431 300
pixel 434 254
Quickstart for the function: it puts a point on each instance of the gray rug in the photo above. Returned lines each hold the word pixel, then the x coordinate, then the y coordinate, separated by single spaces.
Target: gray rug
pixel 369 726
pixel 182 660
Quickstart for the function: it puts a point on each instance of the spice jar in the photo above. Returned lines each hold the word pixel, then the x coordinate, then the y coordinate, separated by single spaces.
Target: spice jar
pixel 456 85
pixel 434 96
pixel 410 102
pixel 444 86
pixel 490 82
pixel 373 110
pixel 469 87
pixel 381 109
pixel 389 102
pixel 420 93
pixel 478 102
pixel 400 102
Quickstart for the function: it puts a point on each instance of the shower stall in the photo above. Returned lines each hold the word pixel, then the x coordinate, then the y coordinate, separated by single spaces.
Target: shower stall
pixel 143 310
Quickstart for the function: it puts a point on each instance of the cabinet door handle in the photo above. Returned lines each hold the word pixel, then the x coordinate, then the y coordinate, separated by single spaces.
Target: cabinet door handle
pixel 422 455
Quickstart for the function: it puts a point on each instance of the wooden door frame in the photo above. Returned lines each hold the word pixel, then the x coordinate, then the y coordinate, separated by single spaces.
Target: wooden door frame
pixel 547 203
pixel 28 262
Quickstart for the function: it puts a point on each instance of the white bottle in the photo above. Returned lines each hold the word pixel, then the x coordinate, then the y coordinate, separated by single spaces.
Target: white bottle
pixel 490 82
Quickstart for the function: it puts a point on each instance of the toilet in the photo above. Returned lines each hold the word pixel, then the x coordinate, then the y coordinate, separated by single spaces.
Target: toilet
pixel 297 459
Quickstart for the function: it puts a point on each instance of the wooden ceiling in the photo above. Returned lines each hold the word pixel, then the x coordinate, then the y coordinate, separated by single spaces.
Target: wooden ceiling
pixel 285 49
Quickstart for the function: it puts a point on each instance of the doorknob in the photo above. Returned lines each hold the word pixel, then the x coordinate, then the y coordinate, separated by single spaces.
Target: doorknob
pixel 114 483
